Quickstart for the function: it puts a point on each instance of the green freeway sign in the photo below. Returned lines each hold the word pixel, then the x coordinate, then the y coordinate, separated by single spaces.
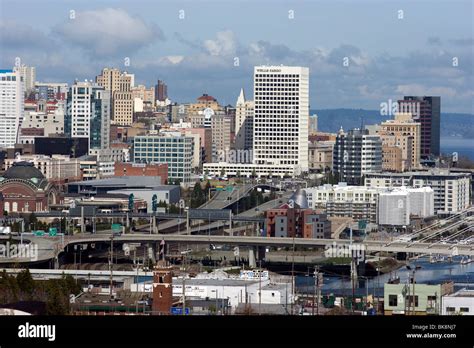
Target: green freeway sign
pixel 53 231
pixel 39 233
pixel 116 227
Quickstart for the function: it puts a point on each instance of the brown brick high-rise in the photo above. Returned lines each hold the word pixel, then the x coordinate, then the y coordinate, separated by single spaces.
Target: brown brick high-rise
pixel 162 289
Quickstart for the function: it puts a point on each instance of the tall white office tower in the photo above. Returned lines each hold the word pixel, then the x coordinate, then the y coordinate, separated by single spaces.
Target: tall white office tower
pixel 11 107
pixel 88 114
pixel 244 122
pixel 29 76
pixel 281 116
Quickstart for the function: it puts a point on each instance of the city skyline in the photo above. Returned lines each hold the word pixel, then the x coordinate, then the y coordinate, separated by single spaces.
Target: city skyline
pixel 195 54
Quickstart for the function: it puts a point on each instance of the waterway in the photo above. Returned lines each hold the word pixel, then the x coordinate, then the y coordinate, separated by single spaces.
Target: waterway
pixel 427 273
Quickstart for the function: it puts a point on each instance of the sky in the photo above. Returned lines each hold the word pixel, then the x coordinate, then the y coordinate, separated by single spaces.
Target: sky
pixel 393 48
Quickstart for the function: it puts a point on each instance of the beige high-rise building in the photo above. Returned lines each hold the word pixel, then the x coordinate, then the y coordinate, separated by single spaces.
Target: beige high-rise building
pixel 396 152
pixel 28 74
pixel 404 133
pixel 221 126
pixel 145 94
pixel 119 84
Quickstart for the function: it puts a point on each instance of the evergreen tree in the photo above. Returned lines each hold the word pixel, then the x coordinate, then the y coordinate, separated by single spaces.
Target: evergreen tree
pixel 26 283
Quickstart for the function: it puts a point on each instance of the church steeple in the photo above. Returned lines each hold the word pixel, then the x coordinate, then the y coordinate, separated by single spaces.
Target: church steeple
pixel 241 98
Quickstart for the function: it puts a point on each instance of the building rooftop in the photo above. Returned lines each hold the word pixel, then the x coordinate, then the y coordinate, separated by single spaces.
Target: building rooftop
pixel 125 182
pixel 219 282
pixel 432 172
pixel 463 293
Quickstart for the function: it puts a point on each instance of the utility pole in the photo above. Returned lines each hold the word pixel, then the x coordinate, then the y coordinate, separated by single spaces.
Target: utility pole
pixel 353 273
pixel 111 264
pixel 414 303
pixel 316 288
pixel 260 289
pixel 184 295
pixel 293 275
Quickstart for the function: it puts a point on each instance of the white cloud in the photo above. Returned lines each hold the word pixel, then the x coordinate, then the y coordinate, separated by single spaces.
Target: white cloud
pixel 418 89
pixel 225 44
pixel 108 32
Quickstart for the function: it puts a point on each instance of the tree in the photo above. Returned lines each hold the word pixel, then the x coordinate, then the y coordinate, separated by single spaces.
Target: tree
pixel 154 203
pixel 25 282
pixel 198 197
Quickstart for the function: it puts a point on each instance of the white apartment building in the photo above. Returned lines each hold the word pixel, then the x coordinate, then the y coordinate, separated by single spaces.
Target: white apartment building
pixel 28 73
pixel 244 110
pixel 358 202
pixel 451 189
pixel 281 115
pixel 11 107
pixel 380 205
pixel 397 205
pixel 88 114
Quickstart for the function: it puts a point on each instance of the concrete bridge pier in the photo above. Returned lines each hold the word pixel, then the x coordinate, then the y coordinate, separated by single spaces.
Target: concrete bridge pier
pixel 256 254
pixel 252 262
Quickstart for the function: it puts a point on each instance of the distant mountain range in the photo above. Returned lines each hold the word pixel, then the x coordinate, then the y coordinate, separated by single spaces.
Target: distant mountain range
pixel 331 120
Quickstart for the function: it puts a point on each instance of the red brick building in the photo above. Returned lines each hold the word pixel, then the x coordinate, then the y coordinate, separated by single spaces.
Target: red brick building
pixel 140 169
pixel 162 289
pixel 24 189
pixel 296 222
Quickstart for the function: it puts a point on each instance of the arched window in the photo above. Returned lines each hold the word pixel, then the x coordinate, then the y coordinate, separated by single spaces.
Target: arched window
pixel 14 206
pixel 7 206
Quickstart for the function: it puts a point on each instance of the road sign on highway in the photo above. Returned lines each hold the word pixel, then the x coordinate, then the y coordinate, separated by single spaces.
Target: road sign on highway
pixel 53 231
pixel 117 227
pixel 179 311
pixel 39 233
pixel 209 214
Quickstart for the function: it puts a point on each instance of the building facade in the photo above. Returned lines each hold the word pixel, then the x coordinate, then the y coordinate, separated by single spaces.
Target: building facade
pixel 426 111
pixel 24 189
pixel 451 190
pixel 140 169
pixel 161 91
pixel 28 74
pixel 244 111
pixel 176 151
pixel 281 116
pixel 119 84
pixel 88 114
pixel 414 299
pixel 11 107
pixel 355 154
pixel 459 303
pixel 404 135
pixel 397 206
pixel 56 167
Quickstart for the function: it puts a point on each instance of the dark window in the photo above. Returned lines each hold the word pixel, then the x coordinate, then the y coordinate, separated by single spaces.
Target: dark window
pixel 410 300
pixel 464 310
pixel 392 300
